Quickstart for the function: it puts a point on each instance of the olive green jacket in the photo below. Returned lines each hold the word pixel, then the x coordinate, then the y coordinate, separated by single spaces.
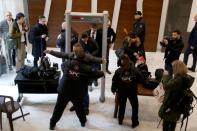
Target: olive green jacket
pixel 172 85
pixel 15 34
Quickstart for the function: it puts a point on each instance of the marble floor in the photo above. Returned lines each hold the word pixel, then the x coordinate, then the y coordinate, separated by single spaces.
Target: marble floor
pixel 40 106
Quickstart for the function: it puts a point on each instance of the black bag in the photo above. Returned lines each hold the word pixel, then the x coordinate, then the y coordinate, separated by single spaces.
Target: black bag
pixel 159 74
pixel 119 52
pixel 30 72
pixel 45 63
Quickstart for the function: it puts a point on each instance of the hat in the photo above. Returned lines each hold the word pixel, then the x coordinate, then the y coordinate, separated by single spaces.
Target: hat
pixel 138 13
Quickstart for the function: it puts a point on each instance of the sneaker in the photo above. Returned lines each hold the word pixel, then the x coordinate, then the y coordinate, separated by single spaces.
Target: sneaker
pixel 135 124
pixel 72 108
pixel 86 111
pixel 191 69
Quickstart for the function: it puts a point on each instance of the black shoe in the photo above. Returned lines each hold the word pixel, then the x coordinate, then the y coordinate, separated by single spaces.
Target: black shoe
pixel 82 124
pixel 72 108
pixel 95 83
pixel 120 122
pixel 109 72
pixel 52 126
pixel 191 69
pixel 135 124
pixel 86 111
pixel 90 88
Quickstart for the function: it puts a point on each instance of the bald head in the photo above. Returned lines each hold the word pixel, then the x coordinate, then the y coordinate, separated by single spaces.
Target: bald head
pixel 8 15
pixel 63 25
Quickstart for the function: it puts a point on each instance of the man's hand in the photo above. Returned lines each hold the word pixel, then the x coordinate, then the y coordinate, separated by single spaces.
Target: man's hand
pixel 103 61
pixel 47 38
pixel 191 47
pixel 43 36
pixel 47 51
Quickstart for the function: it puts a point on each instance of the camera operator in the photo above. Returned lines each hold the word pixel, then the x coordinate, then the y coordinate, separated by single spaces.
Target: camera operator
pixel 173 47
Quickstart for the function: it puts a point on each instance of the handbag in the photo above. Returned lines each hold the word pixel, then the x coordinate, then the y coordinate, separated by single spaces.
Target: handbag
pixel 159 92
pixel 119 52
pixel 11 43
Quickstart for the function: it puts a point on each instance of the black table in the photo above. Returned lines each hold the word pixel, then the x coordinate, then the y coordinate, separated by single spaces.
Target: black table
pixel 26 85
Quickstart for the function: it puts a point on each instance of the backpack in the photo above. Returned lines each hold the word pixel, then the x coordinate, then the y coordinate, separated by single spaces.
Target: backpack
pixel 183 102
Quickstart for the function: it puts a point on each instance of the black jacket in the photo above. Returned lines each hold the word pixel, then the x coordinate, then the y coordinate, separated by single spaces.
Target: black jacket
pixel 75 78
pixel 173 50
pixel 125 81
pixel 139 30
pixel 90 47
pixel 193 37
pixel 39 44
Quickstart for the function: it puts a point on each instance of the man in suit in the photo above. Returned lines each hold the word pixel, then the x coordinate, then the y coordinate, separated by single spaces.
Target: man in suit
pixel 4 30
pixel 17 31
pixel 96 34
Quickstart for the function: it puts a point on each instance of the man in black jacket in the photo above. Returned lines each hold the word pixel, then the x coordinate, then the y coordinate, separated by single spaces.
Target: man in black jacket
pixel 174 46
pixel 40 37
pixel 139 30
pixel 73 85
pixel 73 88
pixel 192 47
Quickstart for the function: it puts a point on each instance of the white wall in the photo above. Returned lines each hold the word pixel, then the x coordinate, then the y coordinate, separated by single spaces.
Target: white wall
pixel 192 14
pixel 14 6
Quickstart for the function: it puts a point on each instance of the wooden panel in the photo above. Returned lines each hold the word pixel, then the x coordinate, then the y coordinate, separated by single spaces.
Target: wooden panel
pixel 55 20
pixel 107 5
pixel 126 20
pixel 81 6
pixel 177 18
pixel 152 15
pixel 35 9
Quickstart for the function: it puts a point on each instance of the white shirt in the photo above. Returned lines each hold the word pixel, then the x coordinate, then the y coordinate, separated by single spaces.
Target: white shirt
pixel 93 34
pixel 22 32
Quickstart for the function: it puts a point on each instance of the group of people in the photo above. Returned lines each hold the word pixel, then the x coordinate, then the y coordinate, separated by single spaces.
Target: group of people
pixel 16 30
pixel 81 67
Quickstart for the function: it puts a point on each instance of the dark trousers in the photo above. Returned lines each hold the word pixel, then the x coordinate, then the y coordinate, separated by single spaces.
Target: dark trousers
pixel 61 103
pixel 169 126
pixel 168 67
pixel 86 101
pixel 14 57
pixel 189 51
pixel 107 58
pixel 36 61
pixel 122 99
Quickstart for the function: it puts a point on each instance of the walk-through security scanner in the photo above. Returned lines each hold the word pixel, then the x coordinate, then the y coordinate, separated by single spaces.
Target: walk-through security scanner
pixel 100 18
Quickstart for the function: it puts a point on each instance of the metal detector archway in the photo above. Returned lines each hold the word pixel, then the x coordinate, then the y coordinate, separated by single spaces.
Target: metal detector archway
pixel 89 18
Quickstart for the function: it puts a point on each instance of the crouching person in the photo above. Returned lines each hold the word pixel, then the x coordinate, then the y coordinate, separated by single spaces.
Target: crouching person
pixel 124 83
pixel 73 87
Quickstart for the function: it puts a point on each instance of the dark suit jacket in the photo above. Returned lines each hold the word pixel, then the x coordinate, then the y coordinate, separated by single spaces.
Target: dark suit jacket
pixel 98 39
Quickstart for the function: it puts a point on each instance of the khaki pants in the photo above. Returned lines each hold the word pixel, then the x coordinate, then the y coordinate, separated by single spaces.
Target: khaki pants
pixel 20 55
